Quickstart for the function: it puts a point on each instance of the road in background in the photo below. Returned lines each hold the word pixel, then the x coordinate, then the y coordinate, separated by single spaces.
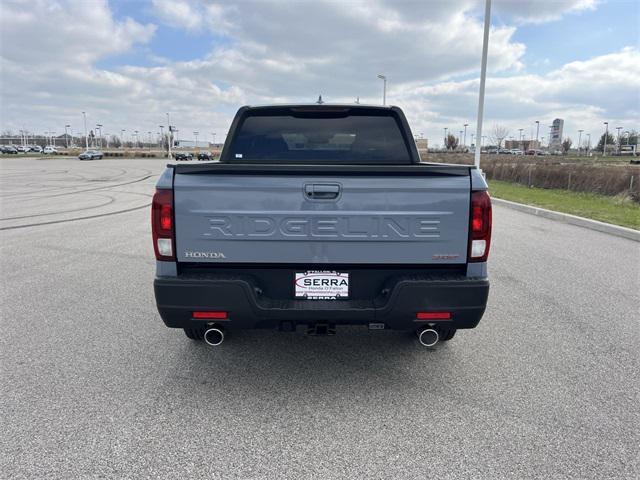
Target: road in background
pixel 94 385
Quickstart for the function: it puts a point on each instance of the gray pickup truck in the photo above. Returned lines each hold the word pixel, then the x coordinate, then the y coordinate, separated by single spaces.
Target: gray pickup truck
pixel 317 216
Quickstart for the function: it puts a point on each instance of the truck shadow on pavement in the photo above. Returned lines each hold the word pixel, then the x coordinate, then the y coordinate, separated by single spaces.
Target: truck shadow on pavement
pixel 355 359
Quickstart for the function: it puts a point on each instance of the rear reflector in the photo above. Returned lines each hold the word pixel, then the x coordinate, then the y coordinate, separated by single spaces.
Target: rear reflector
pixel 433 316
pixel 480 227
pixel 210 315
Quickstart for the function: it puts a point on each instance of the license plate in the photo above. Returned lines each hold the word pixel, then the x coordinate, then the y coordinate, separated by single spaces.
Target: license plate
pixel 316 285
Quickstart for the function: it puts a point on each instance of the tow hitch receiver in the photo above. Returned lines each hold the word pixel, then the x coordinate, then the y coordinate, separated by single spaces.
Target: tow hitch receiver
pixel 321 329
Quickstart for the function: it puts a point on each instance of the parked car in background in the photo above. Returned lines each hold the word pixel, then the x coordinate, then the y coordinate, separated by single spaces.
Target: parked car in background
pixel 90 155
pixel 9 149
pixel 205 156
pixel 35 148
pixel 50 150
pixel 516 151
pixel 182 156
pixel 504 151
pixel 22 148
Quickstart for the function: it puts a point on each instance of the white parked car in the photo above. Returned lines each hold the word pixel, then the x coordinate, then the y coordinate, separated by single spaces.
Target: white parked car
pixel 49 150
pixel 516 151
pixel 36 148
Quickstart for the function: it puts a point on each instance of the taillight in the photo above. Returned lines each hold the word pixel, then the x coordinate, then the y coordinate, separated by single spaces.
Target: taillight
pixel 162 226
pixel 480 227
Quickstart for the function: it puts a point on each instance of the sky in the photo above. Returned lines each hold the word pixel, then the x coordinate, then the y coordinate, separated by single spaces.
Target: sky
pixel 126 63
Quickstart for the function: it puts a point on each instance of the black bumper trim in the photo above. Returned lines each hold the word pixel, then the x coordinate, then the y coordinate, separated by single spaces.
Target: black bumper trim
pixel 178 297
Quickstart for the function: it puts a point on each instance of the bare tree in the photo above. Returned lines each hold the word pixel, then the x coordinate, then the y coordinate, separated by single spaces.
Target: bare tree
pixel 452 142
pixel 566 145
pixel 499 133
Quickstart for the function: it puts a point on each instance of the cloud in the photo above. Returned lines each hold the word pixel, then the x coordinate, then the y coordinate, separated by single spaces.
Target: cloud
pixel 541 11
pixel 179 13
pixel 584 94
pixel 273 52
pixel 68 32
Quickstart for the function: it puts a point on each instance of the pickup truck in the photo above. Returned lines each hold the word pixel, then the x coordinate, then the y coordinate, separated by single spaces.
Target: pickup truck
pixel 318 216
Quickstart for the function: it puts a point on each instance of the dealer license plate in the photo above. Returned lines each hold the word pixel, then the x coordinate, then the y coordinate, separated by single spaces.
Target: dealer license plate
pixel 322 285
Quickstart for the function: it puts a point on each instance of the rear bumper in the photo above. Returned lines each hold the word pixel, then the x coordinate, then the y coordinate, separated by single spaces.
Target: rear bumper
pixel 178 297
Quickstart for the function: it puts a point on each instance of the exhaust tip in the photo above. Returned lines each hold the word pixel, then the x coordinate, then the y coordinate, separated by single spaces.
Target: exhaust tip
pixel 428 337
pixel 214 337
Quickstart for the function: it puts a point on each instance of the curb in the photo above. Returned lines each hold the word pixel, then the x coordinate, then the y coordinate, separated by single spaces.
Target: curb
pixel 616 230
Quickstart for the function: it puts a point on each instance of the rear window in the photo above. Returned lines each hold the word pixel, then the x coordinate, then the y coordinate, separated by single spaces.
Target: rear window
pixel 369 137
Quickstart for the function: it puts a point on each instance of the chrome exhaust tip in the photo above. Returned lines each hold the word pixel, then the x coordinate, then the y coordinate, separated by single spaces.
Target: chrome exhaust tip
pixel 428 337
pixel 214 337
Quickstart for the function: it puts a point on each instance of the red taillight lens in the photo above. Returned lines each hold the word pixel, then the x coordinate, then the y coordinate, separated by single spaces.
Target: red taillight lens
pixel 433 316
pixel 210 315
pixel 480 227
pixel 162 225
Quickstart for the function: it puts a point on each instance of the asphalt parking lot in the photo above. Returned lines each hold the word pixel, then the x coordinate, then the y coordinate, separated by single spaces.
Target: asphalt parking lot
pixel 93 384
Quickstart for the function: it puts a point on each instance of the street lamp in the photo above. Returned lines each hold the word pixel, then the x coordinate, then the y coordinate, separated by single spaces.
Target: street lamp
pixel 384 88
pixel 606 134
pixel 537 133
pixel 169 135
pixel 464 143
pixel 196 135
pixel 445 137
pixel 66 136
pixel 86 138
pixel 618 128
pixel 99 128
pixel 122 134
pixel 520 139
pixel 579 139
pixel 149 145
pixel 137 140
pixel 161 136
pixel 588 143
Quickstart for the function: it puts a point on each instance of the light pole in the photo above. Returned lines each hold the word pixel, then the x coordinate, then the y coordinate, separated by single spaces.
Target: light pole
pixel 149 145
pixel 137 139
pixel 472 135
pixel 99 128
pixel 464 143
pixel 579 139
pixel 86 138
pixel 122 134
pixel 459 137
pixel 384 88
pixel 66 135
pixel 520 140
pixel 537 133
pixel 618 128
pixel 483 77
pixel 213 136
pixel 161 136
pixel 169 135
pixel 53 139
pixel 606 134
pixel 445 138
pixel 196 135
pixel 588 143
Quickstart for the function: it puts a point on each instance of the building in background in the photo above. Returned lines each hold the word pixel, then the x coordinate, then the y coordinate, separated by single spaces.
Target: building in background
pixel 523 145
pixel 555 142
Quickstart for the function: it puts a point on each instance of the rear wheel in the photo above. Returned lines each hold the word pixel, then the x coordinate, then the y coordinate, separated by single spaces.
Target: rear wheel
pixel 194 333
pixel 446 334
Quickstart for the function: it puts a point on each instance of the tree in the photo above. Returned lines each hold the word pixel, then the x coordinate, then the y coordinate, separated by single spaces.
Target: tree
pixel 566 145
pixel 115 141
pixel 452 142
pixel 611 141
pixel 499 133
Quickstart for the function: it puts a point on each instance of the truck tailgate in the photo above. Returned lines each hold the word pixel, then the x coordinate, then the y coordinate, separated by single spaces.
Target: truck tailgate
pixel 308 218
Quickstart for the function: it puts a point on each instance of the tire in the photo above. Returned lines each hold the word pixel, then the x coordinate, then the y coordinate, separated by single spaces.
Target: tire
pixel 194 333
pixel 446 334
